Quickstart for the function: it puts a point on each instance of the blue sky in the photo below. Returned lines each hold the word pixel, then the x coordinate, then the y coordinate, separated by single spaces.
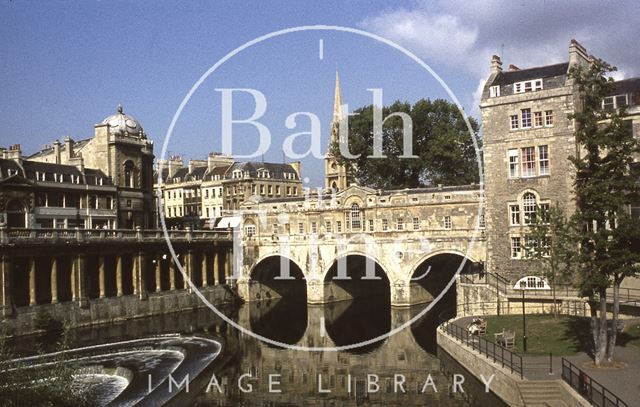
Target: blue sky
pixel 64 66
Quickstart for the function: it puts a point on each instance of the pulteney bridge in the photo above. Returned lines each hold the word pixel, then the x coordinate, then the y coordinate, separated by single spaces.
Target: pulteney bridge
pixel 403 245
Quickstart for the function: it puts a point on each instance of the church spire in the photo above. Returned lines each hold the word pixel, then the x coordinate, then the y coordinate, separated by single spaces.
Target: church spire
pixel 337 101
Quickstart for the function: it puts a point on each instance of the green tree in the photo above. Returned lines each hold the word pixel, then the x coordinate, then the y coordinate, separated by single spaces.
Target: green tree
pixel 549 242
pixel 441 141
pixel 606 184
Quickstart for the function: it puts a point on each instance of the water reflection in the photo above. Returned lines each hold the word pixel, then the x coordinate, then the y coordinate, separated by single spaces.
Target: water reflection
pixel 314 378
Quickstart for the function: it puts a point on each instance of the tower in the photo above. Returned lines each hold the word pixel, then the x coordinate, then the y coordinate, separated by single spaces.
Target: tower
pixel 335 174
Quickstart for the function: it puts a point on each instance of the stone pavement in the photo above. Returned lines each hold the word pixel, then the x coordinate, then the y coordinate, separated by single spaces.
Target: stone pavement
pixel 623 382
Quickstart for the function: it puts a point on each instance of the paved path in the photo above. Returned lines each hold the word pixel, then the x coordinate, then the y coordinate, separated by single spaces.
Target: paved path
pixel 623 382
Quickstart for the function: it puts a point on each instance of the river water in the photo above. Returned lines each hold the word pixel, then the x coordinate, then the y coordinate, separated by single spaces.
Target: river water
pixel 405 369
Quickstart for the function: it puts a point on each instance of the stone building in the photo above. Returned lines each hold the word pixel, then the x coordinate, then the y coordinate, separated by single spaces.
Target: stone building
pixel 103 181
pixel 207 189
pixel 528 138
pixel 244 180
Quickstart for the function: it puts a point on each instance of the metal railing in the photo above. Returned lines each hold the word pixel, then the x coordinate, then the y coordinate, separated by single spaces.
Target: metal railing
pixel 628 296
pixel 590 389
pixel 499 354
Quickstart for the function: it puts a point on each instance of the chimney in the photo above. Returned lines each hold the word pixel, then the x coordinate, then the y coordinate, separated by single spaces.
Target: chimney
pixel 56 152
pixel 577 54
pixel 512 68
pixel 14 152
pixel 68 147
pixel 217 160
pixel 496 64
pixel 296 166
pixel 191 166
pixel 174 163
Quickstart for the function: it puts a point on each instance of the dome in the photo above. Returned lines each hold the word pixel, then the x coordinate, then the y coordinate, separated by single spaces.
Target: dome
pixel 123 124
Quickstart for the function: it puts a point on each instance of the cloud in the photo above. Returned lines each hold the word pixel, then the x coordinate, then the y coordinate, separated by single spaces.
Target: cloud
pixel 462 35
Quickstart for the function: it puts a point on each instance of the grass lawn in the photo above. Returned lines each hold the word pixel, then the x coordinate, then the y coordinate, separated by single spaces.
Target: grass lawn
pixel 561 336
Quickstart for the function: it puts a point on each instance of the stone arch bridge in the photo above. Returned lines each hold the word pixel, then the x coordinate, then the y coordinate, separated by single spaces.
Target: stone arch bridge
pixel 404 246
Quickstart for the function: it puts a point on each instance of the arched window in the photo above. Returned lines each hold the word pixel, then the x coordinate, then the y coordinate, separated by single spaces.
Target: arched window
pixel 129 170
pixel 355 217
pixel 529 207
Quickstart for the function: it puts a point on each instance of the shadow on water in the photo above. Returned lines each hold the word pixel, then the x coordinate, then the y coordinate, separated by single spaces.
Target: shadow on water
pixel 424 329
pixel 354 321
pixel 282 319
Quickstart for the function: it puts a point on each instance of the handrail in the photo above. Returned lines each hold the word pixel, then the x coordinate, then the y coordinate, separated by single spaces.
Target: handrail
pixel 594 392
pixel 491 350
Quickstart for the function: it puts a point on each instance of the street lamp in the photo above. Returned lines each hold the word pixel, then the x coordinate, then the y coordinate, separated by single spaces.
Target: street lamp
pixel 528 283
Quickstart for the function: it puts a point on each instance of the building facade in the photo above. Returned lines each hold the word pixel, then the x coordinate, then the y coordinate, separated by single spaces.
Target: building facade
pixel 528 137
pixel 101 182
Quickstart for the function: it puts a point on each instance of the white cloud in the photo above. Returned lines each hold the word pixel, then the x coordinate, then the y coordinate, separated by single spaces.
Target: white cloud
pixel 462 35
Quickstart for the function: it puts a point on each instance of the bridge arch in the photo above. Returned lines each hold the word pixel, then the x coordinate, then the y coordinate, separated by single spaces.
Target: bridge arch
pixel 359 306
pixel 275 276
pixel 433 271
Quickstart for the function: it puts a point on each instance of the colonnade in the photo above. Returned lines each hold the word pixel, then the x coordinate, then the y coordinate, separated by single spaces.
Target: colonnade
pixel 53 278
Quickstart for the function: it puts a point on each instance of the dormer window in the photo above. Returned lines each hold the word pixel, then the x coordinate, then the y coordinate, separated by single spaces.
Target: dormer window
pixel 494 91
pixel 527 86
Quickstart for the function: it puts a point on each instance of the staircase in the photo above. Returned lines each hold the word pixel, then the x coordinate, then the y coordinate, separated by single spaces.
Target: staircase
pixel 542 393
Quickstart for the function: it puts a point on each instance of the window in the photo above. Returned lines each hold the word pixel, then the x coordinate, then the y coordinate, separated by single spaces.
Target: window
pixel 339 226
pixel 277 189
pixel 301 228
pixel 526 118
pixel 494 91
pixel 288 190
pixel 529 162
pixel 370 225
pixel 548 118
pixel 270 189
pixel 537 119
pixel 529 207
pixel 516 248
pixel 514 215
pixel 275 228
pixel 514 121
pixel 447 222
pixel 249 230
pixel 544 212
pixel 447 197
pixel 513 163
pixel 615 102
pixel 527 86
pixel 481 221
pixel 385 225
pixel 543 160
pixel 327 226
pixel 355 217
pixel 314 228
pixel 261 189
pixel 400 224
pixel 206 193
pixel 416 223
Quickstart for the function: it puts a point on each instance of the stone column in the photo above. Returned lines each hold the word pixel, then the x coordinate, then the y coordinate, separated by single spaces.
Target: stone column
pixel 81 295
pixel 5 275
pixel 142 282
pixel 32 281
pixel 172 274
pixel 134 273
pixel 227 266
pixel 205 267
pixel 216 266
pixel 158 273
pixel 54 280
pixel 119 275
pixel 188 270
pixel 74 279
pixel 101 271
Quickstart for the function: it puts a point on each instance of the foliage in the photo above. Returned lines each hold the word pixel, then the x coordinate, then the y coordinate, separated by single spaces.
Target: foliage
pixel 48 384
pixel 606 184
pixel 441 140
pixel 549 242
